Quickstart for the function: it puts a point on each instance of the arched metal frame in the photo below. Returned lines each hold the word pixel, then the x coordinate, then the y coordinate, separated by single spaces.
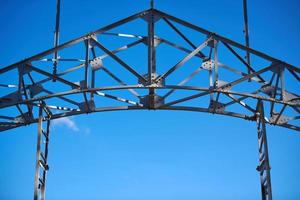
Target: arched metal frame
pixel 268 94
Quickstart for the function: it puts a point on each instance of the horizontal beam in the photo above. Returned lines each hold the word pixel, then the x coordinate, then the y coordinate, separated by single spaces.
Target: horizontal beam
pixel 126 87
pixel 122 108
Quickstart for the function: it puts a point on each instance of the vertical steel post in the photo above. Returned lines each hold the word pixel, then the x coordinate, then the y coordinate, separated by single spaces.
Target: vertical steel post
pixel 216 63
pixel 151 48
pixel 264 165
pixel 86 64
pixel 152 4
pixel 151 57
pixel 41 166
pixel 56 38
pixel 246 33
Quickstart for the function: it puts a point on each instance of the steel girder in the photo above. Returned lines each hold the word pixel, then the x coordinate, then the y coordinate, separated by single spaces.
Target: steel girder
pixel 208 75
pixel 267 83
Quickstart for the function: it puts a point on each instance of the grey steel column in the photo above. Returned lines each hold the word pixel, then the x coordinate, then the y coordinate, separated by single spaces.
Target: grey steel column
pixel 264 165
pixel 56 39
pixel 151 57
pixel 246 32
pixel 41 166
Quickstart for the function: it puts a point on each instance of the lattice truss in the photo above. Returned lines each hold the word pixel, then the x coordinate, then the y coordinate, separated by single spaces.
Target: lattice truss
pixel 162 63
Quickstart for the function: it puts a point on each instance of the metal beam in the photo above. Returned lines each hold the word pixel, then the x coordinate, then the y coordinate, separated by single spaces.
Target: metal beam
pixel 264 165
pixel 246 32
pixel 41 166
pixel 56 38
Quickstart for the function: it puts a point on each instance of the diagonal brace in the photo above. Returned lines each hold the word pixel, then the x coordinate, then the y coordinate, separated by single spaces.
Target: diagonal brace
pixel 116 58
pixel 184 60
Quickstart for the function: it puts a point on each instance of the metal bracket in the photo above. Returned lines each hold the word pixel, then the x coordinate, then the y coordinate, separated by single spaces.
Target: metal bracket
pixel 152 101
pixel 81 84
pixel 150 16
pixel 25 118
pixel 35 89
pixel 96 63
pixel 157 41
pixel 281 120
pixel 92 43
pixel 268 90
pixel 24 69
pixel 208 65
pixel 9 98
pixel 290 97
pixel 277 69
pixel 216 106
pixel 158 83
pixel 87 106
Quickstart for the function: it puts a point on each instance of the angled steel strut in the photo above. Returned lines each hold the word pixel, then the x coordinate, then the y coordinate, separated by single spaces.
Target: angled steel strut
pixel 206 75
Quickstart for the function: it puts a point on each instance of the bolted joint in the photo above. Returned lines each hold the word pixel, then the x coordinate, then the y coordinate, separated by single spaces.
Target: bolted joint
pixel 152 101
pixel 155 80
pixel 260 168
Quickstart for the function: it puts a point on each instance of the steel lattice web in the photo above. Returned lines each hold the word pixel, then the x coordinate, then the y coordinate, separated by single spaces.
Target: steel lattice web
pixel 200 80
pixel 94 75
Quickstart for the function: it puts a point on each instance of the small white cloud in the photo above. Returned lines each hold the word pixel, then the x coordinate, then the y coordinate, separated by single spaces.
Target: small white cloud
pixel 66 121
pixel 87 130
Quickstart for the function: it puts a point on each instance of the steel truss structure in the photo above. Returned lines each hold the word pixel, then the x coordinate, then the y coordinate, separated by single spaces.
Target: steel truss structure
pixel 207 75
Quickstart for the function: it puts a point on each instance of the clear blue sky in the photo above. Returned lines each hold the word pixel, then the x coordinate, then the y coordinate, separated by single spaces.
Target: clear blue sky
pixel 118 155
